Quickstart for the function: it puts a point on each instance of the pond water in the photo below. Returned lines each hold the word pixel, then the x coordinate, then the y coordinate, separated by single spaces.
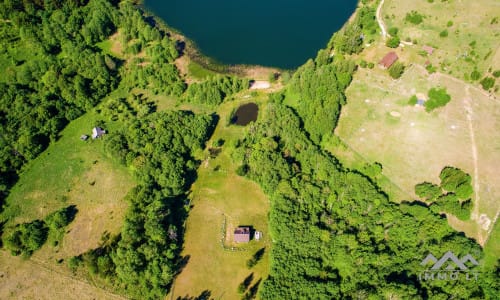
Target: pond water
pixel 278 33
pixel 245 114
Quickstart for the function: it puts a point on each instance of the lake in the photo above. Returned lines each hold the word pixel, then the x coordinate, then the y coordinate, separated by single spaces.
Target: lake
pixel 277 33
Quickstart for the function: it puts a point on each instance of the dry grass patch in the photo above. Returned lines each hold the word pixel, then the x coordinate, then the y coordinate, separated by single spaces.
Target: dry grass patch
pixel 415 146
pixel 30 279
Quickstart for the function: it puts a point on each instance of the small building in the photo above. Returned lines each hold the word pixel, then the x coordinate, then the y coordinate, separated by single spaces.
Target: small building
pixel 84 137
pixel 388 60
pixel 242 235
pixel 428 49
pixel 257 235
pixel 97 132
pixel 421 99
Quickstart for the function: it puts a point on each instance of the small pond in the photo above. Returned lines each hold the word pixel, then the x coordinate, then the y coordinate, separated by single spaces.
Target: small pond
pixel 245 114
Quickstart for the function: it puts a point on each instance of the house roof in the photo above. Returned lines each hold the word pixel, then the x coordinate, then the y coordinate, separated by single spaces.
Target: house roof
pixel 97 132
pixel 242 234
pixel 389 59
pixel 428 49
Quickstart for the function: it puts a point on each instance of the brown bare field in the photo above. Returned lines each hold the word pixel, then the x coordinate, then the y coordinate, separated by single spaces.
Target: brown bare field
pixel 34 279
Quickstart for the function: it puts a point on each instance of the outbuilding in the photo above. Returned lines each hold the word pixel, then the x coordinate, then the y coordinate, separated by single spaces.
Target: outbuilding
pixel 242 235
pixel 388 60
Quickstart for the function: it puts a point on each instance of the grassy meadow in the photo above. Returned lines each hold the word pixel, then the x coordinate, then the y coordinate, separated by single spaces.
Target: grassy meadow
pixel 472 40
pixel 378 125
pixel 69 172
pixel 219 197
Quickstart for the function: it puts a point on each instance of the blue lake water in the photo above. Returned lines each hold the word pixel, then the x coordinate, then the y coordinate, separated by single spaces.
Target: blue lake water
pixel 279 33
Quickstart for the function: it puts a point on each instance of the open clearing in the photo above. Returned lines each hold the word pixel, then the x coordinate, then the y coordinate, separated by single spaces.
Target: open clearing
pixel 220 196
pixel 69 172
pixel 473 36
pixel 413 145
pixel 30 279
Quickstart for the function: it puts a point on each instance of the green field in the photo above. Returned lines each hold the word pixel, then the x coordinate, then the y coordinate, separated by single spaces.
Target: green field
pixel 69 172
pixel 220 196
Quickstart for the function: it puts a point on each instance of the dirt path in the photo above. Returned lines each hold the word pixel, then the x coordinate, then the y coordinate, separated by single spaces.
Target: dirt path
pixel 381 23
pixel 469 113
pixel 433 76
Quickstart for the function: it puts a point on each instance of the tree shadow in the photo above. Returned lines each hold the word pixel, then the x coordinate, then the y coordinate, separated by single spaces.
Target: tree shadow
pixel 252 292
pixel 205 295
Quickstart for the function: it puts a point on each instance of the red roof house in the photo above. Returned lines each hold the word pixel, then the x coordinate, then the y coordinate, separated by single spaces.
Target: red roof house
pixel 242 235
pixel 388 60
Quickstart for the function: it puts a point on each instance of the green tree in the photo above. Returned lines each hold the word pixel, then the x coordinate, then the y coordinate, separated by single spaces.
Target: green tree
pixel 396 70
pixel 393 42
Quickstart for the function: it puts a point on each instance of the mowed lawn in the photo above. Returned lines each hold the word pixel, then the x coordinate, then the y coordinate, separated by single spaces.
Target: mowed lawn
pixel 413 145
pixel 220 196
pixel 69 172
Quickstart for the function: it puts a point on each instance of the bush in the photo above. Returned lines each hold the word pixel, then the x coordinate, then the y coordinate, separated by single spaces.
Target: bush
pixel 413 100
pixel 443 33
pixel 393 31
pixel 242 170
pixel 437 98
pixel 371 65
pixel 218 142
pixel 393 42
pixel 487 83
pixel 449 24
pixel 452 178
pixel 428 191
pixel 414 17
pixel 26 238
pixel 496 73
pixel 396 70
pixel 475 75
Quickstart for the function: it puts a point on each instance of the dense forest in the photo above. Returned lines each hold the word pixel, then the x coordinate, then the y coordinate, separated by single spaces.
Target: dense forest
pixel 335 233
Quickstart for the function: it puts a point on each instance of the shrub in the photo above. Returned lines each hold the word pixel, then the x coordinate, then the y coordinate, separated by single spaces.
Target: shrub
pixel 452 178
pixel 371 65
pixel 443 33
pixel 496 73
pixel 487 83
pixel 437 98
pixel 413 100
pixel 449 24
pixel 427 190
pixel 414 17
pixel 475 75
pixel 393 31
pixel 26 238
pixel 396 70
pixel 393 42
pixel 242 170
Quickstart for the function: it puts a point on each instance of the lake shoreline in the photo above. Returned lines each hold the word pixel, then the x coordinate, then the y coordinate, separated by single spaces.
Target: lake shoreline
pixel 194 53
